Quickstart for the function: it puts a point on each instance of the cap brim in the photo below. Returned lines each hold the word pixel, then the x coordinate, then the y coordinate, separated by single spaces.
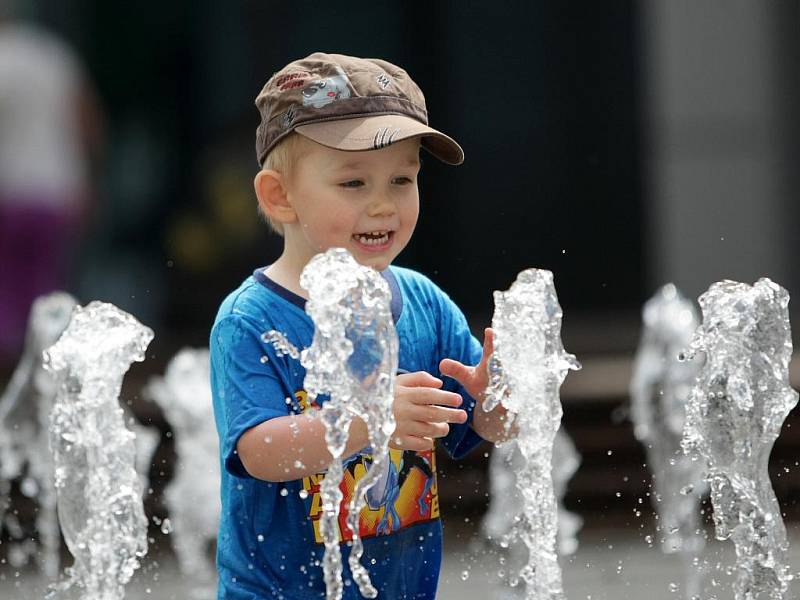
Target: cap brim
pixel 378 131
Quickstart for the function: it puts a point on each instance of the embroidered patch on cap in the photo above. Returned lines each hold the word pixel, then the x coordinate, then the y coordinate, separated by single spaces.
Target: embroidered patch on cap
pixel 322 92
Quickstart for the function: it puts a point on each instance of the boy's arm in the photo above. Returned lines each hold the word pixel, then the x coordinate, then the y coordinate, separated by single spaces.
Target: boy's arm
pixel 293 446
pixel 490 426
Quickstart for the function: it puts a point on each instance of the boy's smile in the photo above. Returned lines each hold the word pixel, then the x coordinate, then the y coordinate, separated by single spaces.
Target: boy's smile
pixel 374 241
pixel 366 202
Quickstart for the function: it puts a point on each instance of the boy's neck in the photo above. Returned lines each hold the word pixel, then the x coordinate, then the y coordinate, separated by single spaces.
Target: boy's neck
pixel 286 272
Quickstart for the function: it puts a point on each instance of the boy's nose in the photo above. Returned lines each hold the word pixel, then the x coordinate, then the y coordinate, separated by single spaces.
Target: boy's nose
pixel 381 206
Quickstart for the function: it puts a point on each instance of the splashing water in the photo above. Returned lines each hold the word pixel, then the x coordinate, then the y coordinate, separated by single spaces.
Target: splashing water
pixel 353 358
pixel 659 390
pixel 506 508
pixel 99 498
pixel 282 345
pixel 192 497
pixel 24 413
pixel 525 373
pixel 734 416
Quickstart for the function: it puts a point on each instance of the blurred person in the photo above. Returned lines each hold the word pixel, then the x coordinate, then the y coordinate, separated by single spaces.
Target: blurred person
pixel 50 135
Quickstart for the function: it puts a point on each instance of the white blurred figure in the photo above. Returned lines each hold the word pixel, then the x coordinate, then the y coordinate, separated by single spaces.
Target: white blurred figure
pixel 24 419
pixel 146 442
pixel 50 132
pixel 659 391
pixel 192 497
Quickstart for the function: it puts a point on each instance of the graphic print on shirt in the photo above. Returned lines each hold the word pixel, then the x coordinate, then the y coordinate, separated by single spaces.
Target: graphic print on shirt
pixel 406 495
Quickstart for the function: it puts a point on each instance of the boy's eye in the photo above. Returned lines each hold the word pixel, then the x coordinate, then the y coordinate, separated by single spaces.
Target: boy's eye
pixel 353 183
pixel 402 180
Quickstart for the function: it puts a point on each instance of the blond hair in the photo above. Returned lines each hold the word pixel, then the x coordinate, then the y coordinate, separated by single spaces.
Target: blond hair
pixel 282 158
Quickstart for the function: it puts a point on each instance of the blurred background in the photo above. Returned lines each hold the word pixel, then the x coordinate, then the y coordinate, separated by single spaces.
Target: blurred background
pixel 621 145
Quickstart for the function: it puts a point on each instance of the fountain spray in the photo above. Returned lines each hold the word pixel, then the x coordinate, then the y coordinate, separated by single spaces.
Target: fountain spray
pixel 733 417
pixel 99 495
pixel 659 391
pixel 353 359
pixel 192 497
pixel 24 413
pixel 525 373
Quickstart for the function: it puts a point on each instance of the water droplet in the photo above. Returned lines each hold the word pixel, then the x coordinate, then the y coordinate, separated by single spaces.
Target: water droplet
pixel 303 494
pixel 166 526
pixel 284 492
pixel 264 359
pixel 464 575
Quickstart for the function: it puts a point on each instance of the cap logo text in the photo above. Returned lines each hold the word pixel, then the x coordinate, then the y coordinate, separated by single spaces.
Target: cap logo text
pixel 291 81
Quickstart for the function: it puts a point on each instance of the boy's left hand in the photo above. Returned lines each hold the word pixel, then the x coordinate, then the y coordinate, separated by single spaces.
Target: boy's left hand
pixel 493 425
pixel 473 379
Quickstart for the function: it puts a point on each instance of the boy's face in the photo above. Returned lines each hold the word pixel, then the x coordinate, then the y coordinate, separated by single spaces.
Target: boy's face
pixel 366 202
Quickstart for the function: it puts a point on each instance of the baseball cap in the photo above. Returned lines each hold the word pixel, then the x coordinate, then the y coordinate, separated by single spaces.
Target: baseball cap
pixel 347 103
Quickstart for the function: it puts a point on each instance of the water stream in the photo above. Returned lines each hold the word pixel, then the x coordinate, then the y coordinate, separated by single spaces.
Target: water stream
pixel 99 495
pixel 526 371
pixel 353 360
pixel 660 388
pixel 734 415
pixel 24 439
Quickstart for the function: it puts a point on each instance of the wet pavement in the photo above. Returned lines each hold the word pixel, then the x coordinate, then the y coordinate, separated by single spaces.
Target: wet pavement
pixel 610 564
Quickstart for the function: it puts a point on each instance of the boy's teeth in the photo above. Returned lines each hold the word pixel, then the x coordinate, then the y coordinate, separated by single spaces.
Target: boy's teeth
pixel 375 238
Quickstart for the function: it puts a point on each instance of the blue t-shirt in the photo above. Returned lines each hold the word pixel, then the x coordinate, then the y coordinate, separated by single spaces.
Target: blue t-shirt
pixel 269 543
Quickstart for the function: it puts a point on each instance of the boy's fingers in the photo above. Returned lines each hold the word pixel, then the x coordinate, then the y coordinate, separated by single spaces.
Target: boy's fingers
pixel 411 443
pixel 456 370
pixel 488 341
pixel 440 414
pixel 419 379
pixel 437 414
pixel 433 414
pixel 426 430
pixel 452 415
pixel 424 396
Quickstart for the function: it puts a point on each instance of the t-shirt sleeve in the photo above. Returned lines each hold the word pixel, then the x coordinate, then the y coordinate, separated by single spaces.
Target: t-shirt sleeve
pixel 246 388
pixel 457 342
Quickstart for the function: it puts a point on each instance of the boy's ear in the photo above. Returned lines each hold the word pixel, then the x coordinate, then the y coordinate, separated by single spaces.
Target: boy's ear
pixel 272 197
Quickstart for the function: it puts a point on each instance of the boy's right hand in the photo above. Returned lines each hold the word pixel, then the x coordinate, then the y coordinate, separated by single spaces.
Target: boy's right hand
pixel 422 411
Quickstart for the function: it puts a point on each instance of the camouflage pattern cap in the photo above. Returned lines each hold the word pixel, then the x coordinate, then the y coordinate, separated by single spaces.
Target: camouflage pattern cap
pixel 347 103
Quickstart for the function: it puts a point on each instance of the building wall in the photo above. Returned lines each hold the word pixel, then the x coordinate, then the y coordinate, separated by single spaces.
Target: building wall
pixel 718 164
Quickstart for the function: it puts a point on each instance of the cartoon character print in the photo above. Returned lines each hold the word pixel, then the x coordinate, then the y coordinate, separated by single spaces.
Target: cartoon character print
pixel 406 494
pixel 322 92
pixel 386 492
pixel 302 403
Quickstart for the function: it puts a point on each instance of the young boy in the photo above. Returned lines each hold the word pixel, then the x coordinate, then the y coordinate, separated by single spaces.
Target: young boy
pixel 339 145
